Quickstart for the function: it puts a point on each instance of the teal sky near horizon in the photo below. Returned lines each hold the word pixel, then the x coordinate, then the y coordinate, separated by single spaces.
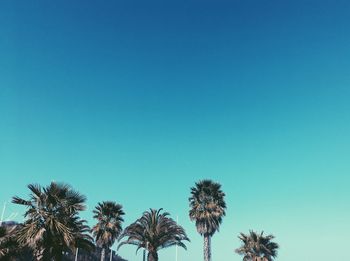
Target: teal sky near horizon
pixel 135 101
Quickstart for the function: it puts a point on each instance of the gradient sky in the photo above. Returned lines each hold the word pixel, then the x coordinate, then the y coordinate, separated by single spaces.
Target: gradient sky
pixel 134 101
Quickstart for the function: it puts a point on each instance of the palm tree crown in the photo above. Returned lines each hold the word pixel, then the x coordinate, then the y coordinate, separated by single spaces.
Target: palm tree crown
pixel 109 226
pixel 257 247
pixel 52 223
pixel 154 231
pixel 207 206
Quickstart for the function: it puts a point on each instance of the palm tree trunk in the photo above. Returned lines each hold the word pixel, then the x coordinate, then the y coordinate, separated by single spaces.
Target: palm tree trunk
pixel 207 248
pixel 152 256
pixel 103 254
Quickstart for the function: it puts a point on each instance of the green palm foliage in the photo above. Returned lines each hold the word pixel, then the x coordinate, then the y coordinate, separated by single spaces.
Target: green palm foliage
pixel 52 224
pixel 153 232
pixel 207 208
pixel 257 247
pixel 109 226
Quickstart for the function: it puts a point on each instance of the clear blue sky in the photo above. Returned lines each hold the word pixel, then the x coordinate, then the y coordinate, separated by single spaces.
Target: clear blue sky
pixel 134 101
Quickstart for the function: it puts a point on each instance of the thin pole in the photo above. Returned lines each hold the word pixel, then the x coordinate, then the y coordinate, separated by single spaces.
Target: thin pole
pixel 110 258
pixel 76 254
pixel 3 213
pixel 177 222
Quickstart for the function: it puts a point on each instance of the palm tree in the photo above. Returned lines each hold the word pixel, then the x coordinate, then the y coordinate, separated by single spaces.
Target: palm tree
pixel 52 224
pixel 207 208
pixel 109 226
pixel 153 232
pixel 257 247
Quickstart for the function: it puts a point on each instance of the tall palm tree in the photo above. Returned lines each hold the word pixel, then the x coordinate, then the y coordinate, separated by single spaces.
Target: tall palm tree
pixel 153 232
pixel 257 247
pixel 109 226
pixel 207 208
pixel 52 223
